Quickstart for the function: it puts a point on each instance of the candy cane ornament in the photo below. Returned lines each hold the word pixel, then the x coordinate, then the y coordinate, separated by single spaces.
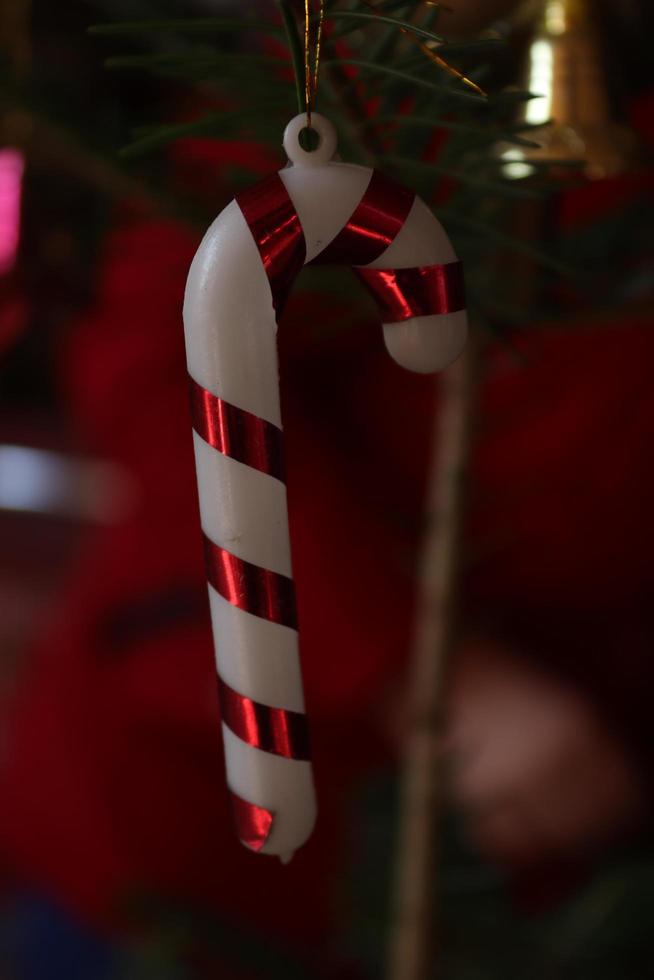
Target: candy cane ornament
pixel 316 210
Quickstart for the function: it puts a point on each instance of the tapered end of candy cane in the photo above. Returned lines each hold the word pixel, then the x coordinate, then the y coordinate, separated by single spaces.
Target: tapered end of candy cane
pixel 427 343
pixel 253 823
pixel 285 814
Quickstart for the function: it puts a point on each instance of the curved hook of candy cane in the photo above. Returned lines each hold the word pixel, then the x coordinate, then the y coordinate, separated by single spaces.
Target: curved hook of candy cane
pixel 416 279
pixel 315 209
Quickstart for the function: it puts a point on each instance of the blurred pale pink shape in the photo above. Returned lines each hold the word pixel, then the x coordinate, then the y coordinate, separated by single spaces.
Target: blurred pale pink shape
pixel 534 766
pixel 11 183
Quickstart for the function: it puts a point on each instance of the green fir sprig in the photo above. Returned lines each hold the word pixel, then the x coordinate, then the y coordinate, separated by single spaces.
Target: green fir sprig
pixel 392 106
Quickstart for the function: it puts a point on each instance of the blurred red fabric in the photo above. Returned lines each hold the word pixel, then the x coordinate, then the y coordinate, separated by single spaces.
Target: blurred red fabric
pixel 114 781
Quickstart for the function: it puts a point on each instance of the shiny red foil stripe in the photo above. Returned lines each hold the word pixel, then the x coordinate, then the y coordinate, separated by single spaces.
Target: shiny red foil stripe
pixel 404 293
pixel 253 823
pixel 269 729
pixel 276 228
pixel 256 590
pixel 237 433
pixel 374 224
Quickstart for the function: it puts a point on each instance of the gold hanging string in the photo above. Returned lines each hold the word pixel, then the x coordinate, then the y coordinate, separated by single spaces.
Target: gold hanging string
pixel 431 54
pixel 321 21
pixel 311 77
pixel 445 65
pixel 307 61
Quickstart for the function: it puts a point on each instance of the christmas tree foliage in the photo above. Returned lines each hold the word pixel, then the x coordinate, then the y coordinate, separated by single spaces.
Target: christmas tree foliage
pixel 393 107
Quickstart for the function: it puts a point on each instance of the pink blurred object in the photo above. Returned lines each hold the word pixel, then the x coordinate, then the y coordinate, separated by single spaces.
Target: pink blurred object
pixel 536 770
pixel 11 184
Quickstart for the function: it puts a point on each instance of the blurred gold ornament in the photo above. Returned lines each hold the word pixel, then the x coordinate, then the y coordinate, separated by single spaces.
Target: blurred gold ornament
pixel 566 68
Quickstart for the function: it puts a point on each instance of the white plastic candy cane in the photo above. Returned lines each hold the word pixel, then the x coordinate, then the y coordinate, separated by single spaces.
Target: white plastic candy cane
pixel 314 210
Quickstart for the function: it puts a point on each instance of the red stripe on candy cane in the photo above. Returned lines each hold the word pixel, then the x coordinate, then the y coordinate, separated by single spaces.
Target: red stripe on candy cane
pixel 270 729
pixel 237 433
pixel 256 590
pixel 253 823
pixel 267 746
pixel 373 226
pixel 402 294
pixel 275 226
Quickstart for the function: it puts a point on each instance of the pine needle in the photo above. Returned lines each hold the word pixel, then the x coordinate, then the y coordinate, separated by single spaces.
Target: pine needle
pixel 444 90
pixel 205 25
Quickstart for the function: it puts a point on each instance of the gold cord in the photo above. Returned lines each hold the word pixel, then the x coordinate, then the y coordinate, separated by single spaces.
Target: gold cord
pixel 311 78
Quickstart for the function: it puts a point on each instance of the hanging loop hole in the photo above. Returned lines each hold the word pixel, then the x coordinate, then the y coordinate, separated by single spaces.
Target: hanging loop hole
pixel 298 139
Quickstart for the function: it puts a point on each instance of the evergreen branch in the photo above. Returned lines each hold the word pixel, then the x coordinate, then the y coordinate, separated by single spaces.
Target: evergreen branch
pixel 400 25
pixel 353 25
pixel 445 91
pixel 386 44
pixel 511 96
pixel 183 61
pixel 381 52
pixel 394 4
pixel 482 44
pixel 233 73
pixel 296 51
pixel 189 26
pixel 452 48
pixel 50 143
pixel 387 54
pixel 160 135
pixel 337 84
pixel 419 122
pixel 506 188
pixel 544 259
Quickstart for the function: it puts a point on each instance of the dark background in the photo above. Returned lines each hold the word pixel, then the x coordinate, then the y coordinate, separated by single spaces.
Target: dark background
pixel 117 857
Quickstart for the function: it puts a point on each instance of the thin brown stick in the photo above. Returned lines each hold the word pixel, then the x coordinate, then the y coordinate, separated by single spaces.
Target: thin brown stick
pixel 413 912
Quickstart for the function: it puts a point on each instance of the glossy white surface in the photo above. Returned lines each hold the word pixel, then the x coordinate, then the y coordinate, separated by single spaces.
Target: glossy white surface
pixel 231 350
